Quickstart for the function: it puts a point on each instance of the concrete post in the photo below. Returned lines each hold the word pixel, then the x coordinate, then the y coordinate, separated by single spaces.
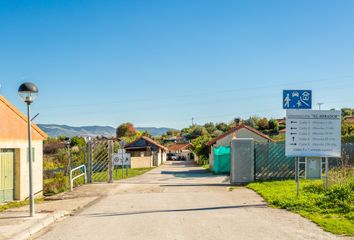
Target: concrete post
pixel 89 161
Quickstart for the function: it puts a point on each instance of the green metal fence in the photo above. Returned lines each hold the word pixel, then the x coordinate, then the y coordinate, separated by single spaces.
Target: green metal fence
pixel 271 162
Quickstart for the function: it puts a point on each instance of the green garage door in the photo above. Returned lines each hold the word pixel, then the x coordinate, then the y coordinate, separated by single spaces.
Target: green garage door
pixel 6 175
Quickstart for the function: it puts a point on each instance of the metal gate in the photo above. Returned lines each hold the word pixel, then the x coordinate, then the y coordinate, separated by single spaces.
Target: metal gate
pixel 100 166
pixel 7 157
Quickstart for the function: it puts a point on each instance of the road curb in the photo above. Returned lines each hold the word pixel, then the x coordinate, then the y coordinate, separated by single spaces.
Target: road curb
pixel 48 220
pixel 39 226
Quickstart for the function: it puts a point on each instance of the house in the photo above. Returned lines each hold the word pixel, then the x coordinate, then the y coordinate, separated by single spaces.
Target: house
pixel 240 131
pixel 145 152
pixel 183 151
pixel 14 169
pixel 176 139
pixel 349 119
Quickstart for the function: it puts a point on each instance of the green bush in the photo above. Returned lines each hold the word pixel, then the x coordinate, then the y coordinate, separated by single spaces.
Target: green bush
pixel 58 184
pixel 348 138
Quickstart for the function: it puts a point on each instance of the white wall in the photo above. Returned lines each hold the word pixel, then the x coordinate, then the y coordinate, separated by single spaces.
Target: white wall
pixel 22 166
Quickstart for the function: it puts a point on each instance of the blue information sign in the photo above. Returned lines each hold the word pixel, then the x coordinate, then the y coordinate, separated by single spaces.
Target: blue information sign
pixel 297 99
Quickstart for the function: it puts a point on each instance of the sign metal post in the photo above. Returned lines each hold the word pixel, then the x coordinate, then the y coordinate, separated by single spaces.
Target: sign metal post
pixel 297 175
pixel 326 167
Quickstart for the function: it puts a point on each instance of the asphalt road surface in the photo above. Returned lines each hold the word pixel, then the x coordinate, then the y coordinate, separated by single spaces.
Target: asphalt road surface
pixel 182 201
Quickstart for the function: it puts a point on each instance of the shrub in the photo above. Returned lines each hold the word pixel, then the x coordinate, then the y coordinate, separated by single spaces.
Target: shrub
pixel 55 185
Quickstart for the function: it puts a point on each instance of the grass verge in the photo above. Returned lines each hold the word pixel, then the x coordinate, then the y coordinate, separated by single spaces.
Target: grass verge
pixel 333 210
pixel 60 183
pixel 117 174
pixel 17 204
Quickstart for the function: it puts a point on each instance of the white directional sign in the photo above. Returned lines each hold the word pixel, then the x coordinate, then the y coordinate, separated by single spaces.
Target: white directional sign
pixel 313 133
pixel 121 158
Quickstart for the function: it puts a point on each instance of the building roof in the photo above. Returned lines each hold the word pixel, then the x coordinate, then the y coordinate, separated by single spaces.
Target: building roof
pixel 281 120
pixel 179 146
pixel 234 129
pixel 12 108
pixel 349 119
pixel 148 140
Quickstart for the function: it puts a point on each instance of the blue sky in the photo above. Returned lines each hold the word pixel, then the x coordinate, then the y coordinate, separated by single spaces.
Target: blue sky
pixel 160 63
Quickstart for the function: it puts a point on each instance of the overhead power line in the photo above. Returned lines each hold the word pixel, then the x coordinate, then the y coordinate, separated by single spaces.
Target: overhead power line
pixel 200 93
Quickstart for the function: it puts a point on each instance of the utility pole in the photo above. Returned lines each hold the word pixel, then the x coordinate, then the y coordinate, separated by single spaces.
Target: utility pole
pixel 192 121
pixel 319 105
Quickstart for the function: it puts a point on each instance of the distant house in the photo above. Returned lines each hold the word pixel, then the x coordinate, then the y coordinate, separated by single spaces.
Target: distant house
pixel 145 152
pixel 240 131
pixel 349 120
pixel 281 121
pixel 182 151
pixel 176 139
pixel 14 172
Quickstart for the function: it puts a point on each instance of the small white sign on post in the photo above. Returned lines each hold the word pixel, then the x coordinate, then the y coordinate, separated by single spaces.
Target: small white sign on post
pixel 313 133
pixel 121 158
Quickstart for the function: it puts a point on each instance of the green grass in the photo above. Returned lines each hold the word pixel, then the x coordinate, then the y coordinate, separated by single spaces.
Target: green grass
pixel 278 138
pixel 333 210
pixel 117 174
pixel 206 166
pixel 17 204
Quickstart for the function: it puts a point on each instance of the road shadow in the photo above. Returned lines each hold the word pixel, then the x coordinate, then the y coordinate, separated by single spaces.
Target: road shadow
pixel 175 210
pixel 197 185
pixel 197 173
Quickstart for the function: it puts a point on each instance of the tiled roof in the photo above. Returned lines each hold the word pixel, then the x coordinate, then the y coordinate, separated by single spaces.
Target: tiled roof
pixel 179 146
pixel 349 119
pixel 148 140
pixel 22 116
pixel 234 129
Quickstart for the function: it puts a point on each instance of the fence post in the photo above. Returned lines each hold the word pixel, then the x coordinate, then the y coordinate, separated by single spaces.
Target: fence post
pixel 255 161
pixel 110 161
pixel 89 162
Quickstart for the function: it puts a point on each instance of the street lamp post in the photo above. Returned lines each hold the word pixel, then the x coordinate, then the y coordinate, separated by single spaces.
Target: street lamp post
pixel 28 92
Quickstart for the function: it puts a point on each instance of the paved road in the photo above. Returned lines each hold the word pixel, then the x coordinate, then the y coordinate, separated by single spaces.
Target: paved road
pixel 182 201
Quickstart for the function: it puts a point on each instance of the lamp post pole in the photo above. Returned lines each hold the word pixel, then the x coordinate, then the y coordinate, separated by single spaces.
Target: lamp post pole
pixel 28 92
pixel 31 195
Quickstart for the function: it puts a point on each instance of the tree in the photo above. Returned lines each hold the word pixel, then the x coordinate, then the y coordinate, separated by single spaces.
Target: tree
pixel 200 146
pixel 216 133
pixel 347 112
pixel 125 130
pixel 196 131
pixel 146 134
pixel 223 127
pixel 77 141
pixel 210 127
pixel 171 133
pixel 347 128
pixel 273 125
pixel 252 121
pixel 262 124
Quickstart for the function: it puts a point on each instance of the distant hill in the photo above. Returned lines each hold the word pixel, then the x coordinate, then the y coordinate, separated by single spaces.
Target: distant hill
pixel 153 130
pixel 54 130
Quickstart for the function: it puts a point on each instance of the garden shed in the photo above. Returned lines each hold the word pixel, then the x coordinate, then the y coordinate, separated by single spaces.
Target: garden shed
pixel 14 169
